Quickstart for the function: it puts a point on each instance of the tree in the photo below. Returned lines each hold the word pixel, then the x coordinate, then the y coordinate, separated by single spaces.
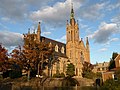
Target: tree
pixel 17 62
pixel 117 73
pixel 111 84
pixel 4 65
pixel 112 61
pixel 37 53
pixel 70 70
pixel 114 55
pixel 87 70
pixel 111 64
pixel 98 75
pixel 59 75
pixel 17 59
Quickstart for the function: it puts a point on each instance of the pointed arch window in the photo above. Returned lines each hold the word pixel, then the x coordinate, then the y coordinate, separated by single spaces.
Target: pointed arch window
pixel 62 49
pixel 56 48
pixel 81 57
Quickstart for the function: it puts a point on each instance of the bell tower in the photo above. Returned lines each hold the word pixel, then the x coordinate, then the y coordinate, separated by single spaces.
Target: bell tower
pixel 72 29
pixel 72 42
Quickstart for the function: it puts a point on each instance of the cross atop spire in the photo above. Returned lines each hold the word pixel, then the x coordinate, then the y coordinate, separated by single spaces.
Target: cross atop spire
pixel 72 11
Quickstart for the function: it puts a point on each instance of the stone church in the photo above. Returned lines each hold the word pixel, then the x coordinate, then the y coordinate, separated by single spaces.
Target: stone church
pixel 74 51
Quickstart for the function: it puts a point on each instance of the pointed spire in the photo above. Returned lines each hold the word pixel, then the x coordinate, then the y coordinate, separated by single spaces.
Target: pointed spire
pixel 34 31
pixel 77 22
pixel 38 32
pixel 81 39
pixel 28 30
pixel 38 29
pixel 72 19
pixel 67 22
pixel 87 42
pixel 72 12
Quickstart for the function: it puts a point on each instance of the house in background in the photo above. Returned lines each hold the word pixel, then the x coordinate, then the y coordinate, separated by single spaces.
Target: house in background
pixel 117 61
pixel 101 67
pixel 111 74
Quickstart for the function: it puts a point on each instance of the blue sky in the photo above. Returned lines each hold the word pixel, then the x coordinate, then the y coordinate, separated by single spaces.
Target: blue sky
pixel 98 19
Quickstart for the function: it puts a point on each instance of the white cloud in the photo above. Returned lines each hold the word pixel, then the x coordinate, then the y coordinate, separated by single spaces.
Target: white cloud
pixel 83 26
pixel 9 39
pixel 55 14
pixel 12 9
pixel 116 20
pixel 62 39
pixel 5 19
pixel 105 31
pixel 2 26
pixel 93 12
pixel 112 40
pixel 103 49
pixel 17 10
pixel 114 5
pixel 46 33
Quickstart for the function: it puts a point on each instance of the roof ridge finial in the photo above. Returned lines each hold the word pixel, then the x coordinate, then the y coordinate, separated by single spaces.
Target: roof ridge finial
pixel 34 31
pixel 28 30
pixel 87 42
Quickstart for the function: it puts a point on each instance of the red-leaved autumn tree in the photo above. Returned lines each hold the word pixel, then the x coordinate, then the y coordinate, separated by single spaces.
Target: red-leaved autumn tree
pixel 4 65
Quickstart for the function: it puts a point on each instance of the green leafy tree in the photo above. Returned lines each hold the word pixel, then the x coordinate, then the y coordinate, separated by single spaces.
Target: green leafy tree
pixel 59 75
pixel 111 64
pixel 87 70
pixel 112 61
pixel 70 70
pixel 111 84
pixel 98 75
pixel 114 55
pixel 117 73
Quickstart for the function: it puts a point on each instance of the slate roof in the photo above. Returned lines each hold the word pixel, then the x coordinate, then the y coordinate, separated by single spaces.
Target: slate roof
pixel 60 45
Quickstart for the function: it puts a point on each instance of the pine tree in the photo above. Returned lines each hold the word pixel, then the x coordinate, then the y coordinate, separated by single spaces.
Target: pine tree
pixel 70 70
pixel 112 61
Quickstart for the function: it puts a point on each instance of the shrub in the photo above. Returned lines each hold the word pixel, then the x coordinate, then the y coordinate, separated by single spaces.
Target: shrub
pixel 15 74
pixel 70 70
pixel 111 85
pixel 59 75
pixel 89 75
pixel 68 81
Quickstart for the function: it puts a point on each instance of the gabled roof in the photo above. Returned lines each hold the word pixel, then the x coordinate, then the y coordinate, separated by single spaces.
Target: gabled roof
pixel 47 40
pixel 115 69
pixel 118 57
pixel 54 43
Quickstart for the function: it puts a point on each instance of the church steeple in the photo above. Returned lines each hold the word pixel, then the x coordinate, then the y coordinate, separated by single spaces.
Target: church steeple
pixel 72 19
pixel 72 28
pixel 72 12
pixel 38 32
